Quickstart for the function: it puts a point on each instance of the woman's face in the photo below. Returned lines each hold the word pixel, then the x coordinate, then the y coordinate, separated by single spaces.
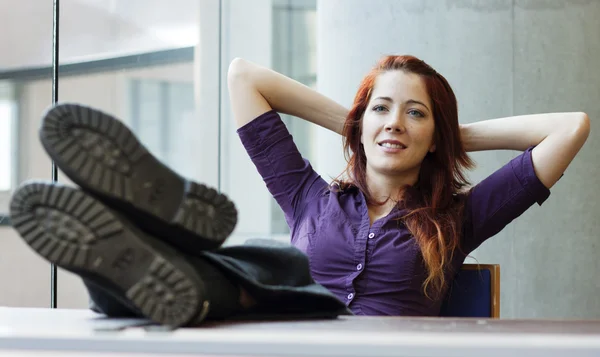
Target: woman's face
pixel 398 125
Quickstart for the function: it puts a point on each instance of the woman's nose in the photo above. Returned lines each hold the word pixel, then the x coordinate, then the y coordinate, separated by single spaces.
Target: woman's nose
pixel 395 125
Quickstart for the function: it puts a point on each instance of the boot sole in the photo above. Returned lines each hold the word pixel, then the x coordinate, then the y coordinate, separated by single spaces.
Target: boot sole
pixel 78 233
pixel 100 154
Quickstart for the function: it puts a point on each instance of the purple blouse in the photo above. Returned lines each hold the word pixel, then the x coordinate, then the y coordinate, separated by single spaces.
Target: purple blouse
pixel 377 269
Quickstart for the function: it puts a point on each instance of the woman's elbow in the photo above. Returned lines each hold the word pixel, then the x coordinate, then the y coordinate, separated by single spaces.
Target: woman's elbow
pixel 583 124
pixel 579 127
pixel 238 70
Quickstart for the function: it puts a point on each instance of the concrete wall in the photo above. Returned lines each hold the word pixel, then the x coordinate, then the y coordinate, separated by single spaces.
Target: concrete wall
pixel 502 57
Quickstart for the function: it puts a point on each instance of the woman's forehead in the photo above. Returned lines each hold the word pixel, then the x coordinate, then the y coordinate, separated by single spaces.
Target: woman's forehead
pixel 400 86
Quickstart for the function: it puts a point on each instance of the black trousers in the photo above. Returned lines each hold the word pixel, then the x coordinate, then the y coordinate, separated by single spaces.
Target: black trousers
pixel 275 275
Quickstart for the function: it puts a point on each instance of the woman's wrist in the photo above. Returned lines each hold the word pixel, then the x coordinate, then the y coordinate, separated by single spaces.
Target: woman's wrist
pixel 465 137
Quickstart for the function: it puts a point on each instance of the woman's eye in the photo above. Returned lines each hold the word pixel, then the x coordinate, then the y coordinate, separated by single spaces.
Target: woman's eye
pixel 379 108
pixel 416 113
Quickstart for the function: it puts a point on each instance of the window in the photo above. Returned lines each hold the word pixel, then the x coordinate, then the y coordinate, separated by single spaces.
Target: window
pixel 160 112
pixel 295 55
pixel 8 138
pixel 161 67
pixel 281 35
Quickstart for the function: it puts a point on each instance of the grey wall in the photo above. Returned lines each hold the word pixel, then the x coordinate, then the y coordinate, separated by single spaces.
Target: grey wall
pixel 502 57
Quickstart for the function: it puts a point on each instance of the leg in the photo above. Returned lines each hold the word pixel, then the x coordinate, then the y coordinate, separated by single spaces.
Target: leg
pixel 248 283
pixel 101 301
pixel 152 279
pixel 118 245
pixel 226 297
pixel 80 234
pixel 102 156
pixel 277 278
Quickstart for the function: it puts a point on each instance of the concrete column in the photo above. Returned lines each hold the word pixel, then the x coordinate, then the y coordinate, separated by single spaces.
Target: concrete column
pixel 502 57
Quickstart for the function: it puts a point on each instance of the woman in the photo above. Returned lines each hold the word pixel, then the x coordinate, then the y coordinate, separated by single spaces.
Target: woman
pixel 400 224
pixel 385 240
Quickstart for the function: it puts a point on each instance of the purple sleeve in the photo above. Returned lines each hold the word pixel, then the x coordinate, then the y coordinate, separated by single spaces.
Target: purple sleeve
pixel 289 178
pixel 500 198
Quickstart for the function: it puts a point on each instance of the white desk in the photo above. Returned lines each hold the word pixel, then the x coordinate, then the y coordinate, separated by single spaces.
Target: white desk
pixel 46 332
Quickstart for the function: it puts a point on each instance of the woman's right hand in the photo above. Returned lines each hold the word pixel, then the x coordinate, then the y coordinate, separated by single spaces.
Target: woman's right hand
pixel 254 90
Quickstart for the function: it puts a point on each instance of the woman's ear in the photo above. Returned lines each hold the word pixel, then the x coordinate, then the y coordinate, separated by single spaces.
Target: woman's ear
pixel 432 148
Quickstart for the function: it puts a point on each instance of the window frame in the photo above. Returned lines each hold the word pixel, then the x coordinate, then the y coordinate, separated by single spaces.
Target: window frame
pixel 14 78
pixel 8 92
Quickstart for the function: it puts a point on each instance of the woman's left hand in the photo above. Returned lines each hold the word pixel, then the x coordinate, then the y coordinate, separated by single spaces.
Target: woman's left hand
pixel 557 138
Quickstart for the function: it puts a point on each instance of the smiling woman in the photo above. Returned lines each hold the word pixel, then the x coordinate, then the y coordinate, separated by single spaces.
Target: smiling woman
pixel 408 128
pixel 389 238
pixel 405 101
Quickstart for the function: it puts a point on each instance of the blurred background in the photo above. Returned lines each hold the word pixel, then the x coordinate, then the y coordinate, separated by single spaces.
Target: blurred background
pixel 161 67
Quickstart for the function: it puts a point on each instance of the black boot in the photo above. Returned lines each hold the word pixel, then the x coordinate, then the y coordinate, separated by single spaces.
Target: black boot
pixel 80 234
pixel 224 296
pixel 103 157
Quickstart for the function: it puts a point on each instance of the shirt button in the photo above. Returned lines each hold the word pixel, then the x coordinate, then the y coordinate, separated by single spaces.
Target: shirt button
pixel 371 235
pixel 359 267
pixel 350 296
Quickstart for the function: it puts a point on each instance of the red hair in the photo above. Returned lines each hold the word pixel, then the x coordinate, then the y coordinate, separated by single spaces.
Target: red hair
pixel 435 213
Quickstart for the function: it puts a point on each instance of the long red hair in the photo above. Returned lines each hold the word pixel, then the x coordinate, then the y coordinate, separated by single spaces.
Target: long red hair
pixel 434 212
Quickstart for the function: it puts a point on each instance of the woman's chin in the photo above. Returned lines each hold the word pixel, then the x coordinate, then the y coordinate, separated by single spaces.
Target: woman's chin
pixel 396 171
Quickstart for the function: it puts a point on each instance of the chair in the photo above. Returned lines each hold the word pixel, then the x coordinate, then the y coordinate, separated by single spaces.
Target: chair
pixel 475 292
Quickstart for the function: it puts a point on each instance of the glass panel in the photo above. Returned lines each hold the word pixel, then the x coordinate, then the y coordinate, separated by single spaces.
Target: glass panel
pixel 160 111
pixel 139 60
pixel 152 63
pixel 26 43
pixel 160 67
pixel 7 139
pixel 295 55
pixel 282 35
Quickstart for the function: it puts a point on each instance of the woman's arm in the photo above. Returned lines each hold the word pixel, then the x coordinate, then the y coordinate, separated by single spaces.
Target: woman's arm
pixel 557 138
pixel 255 90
